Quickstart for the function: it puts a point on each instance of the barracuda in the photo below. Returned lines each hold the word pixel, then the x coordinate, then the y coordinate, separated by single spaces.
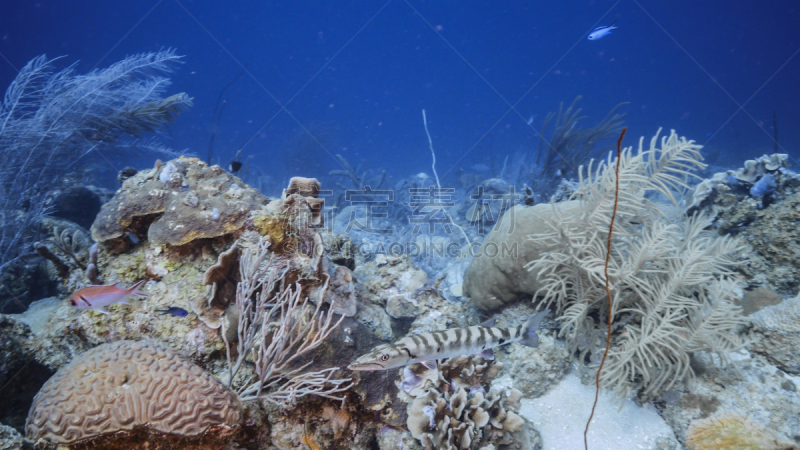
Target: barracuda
pixel 428 347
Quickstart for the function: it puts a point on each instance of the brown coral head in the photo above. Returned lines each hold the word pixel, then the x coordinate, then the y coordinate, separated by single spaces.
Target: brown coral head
pixel 307 187
pixel 129 386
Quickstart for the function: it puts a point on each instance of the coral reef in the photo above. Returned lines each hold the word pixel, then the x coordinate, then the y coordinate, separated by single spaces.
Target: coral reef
pixel 321 425
pixel 727 197
pixel 751 386
pixel 531 370
pixel 199 277
pixel 773 245
pixel 392 287
pixel 392 282
pixel 668 281
pixel 127 385
pixel 375 391
pixel 261 295
pixel 387 287
pixel 178 282
pixel 44 333
pixel 301 347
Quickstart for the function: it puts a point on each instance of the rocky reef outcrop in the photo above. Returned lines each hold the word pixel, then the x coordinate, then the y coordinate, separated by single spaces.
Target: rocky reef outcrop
pixel 760 204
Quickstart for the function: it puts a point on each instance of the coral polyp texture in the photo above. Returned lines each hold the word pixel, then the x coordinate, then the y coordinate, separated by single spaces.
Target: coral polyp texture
pixel 129 386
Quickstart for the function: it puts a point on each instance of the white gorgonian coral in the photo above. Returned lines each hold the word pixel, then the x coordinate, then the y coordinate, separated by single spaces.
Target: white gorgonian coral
pixel 670 281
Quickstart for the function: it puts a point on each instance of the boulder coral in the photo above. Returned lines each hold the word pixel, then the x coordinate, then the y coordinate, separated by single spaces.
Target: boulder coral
pixel 498 275
pixel 174 204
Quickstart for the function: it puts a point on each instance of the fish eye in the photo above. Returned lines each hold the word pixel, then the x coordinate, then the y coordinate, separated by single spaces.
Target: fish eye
pixel 72 302
pixel 385 358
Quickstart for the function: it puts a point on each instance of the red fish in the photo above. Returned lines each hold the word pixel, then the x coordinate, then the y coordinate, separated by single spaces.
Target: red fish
pixel 96 297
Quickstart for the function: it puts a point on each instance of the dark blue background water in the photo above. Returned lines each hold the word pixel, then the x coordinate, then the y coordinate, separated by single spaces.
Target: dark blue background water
pixel 357 74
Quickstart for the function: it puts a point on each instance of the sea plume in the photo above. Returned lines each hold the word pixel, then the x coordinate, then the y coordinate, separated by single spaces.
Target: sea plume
pixel 670 279
pixel 50 122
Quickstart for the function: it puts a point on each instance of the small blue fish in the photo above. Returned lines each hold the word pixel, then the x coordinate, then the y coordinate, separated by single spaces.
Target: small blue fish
pixel 174 310
pixel 602 31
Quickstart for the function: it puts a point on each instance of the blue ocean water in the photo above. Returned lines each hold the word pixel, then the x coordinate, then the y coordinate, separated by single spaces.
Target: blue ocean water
pixel 356 75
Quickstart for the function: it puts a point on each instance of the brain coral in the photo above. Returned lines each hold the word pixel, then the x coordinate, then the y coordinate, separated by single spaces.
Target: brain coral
pixel 130 385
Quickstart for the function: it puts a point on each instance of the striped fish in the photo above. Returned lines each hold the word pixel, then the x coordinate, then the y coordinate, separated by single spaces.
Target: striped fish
pixel 428 347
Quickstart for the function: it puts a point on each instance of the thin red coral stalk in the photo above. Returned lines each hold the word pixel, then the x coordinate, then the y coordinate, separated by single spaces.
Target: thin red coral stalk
pixel 608 289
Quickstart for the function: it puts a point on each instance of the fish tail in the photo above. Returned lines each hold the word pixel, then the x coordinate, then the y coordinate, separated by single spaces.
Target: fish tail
pixel 134 290
pixel 529 336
